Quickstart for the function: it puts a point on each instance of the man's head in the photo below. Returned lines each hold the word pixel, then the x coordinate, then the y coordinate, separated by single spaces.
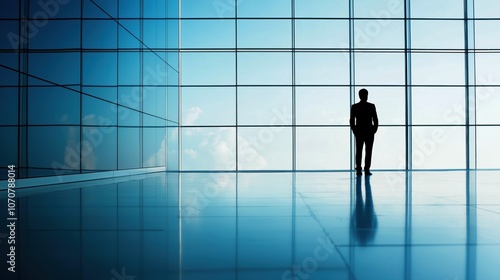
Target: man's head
pixel 363 94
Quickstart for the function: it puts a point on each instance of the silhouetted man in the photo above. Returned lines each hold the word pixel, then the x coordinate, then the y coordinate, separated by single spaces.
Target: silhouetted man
pixel 364 125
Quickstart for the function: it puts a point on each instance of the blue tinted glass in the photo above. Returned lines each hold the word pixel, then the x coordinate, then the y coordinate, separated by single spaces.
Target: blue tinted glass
pixel 208 106
pixel 208 68
pixel 99 150
pixel 61 147
pixel 155 101
pixel 264 105
pixel 322 33
pixel 437 34
pixel 172 34
pixel 129 97
pixel 265 8
pixel 173 104
pixel 437 9
pixel 8 142
pixel 53 105
pixel 128 148
pixel 379 34
pixel 264 33
pixel 173 148
pixel 322 8
pixel 129 34
pixel 128 117
pixel 100 8
pixel 155 8
pixel 129 8
pixel 10 9
pixel 98 112
pixel 153 33
pixel 208 9
pixel 382 9
pixel 264 68
pixel 99 34
pixel 322 68
pixel 9 106
pixel 63 67
pixel 486 8
pixel 9 77
pixel 49 37
pixel 154 147
pixel 99 69
pixel 10 31
pixel 55 9
pixel 128 68
pixel 107 93
pixel 208 34
pixel 173 8
pixel 154 69
pixel 149 120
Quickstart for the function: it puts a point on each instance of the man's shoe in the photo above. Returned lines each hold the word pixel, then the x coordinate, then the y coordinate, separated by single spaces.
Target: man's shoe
pixel 367 173
pixel 358 173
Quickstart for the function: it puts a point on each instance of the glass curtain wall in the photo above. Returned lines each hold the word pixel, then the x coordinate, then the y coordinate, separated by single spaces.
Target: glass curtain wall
pixel 88 85
pixel 267 85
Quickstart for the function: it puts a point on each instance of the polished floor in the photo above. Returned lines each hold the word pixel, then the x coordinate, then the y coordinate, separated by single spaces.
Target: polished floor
pixel 309 225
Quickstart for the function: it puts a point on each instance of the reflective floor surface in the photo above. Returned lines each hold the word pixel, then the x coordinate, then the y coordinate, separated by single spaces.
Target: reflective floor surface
pixel 310 225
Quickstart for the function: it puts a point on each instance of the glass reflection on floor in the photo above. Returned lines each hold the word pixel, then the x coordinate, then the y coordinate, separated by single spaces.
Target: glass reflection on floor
pixel 310 225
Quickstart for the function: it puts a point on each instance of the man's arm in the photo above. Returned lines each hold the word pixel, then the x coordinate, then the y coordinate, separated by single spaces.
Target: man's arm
pixel 352 119
pixel 375 119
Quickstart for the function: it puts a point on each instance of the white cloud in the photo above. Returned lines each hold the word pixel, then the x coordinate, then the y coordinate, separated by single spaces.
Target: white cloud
pixel 191 115
pixel 192 153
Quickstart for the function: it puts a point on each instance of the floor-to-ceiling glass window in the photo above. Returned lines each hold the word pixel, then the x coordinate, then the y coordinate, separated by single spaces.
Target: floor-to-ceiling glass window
pixel 267 85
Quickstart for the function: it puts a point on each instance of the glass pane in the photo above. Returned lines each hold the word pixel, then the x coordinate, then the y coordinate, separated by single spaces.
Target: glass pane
pixel 383 9
pixel 106 93
pixel 379 34
pixel 208 34
pixel 390 104
pixel 486 8
pixel 53 105
pixel 321 33
pixel 10 9
pixel 155 8
pixel 154 147
pixel 129 68
pixel 322 105
pixel 49 37
pixel 128 148
pixel 265 148
pixel 487 70
pixel 264 68
pixel 380 69
pixel 54 9
pixel 64 67
pixel 437 34
pixel 208 9
pixel 389 148
pixel 100 8
pixel 487 147
pixel 61 147
pixel 208 106
pixel 264 106
pixel 9 77
pixel 264 33
pixel 153 33
pixel 99 69
pixel 128 117
pixel 129 97
pixel 173 148
pixel 323 148
pixel 9 144
pixel 265 8
pixel 322 8
pixel 154 101
pixel 99 34
pixel 129 34
pixel 487 104
pixel 154 69
pixel 9 106
pixel 438 69
pixel 483 33
pixel 99 150
pixel 437 9
pixel 436 147
pixel 208 68
pixel 129 8
pixel 173 104
pixel 322 68
pixel 97 112
pixel 208 148
pixel 438 105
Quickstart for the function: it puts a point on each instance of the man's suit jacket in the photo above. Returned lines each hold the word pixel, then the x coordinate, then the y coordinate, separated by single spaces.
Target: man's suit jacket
pixel 364 118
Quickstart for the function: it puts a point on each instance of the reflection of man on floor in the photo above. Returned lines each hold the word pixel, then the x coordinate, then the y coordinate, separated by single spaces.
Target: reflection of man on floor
pixel 364 220
pixel 364 125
